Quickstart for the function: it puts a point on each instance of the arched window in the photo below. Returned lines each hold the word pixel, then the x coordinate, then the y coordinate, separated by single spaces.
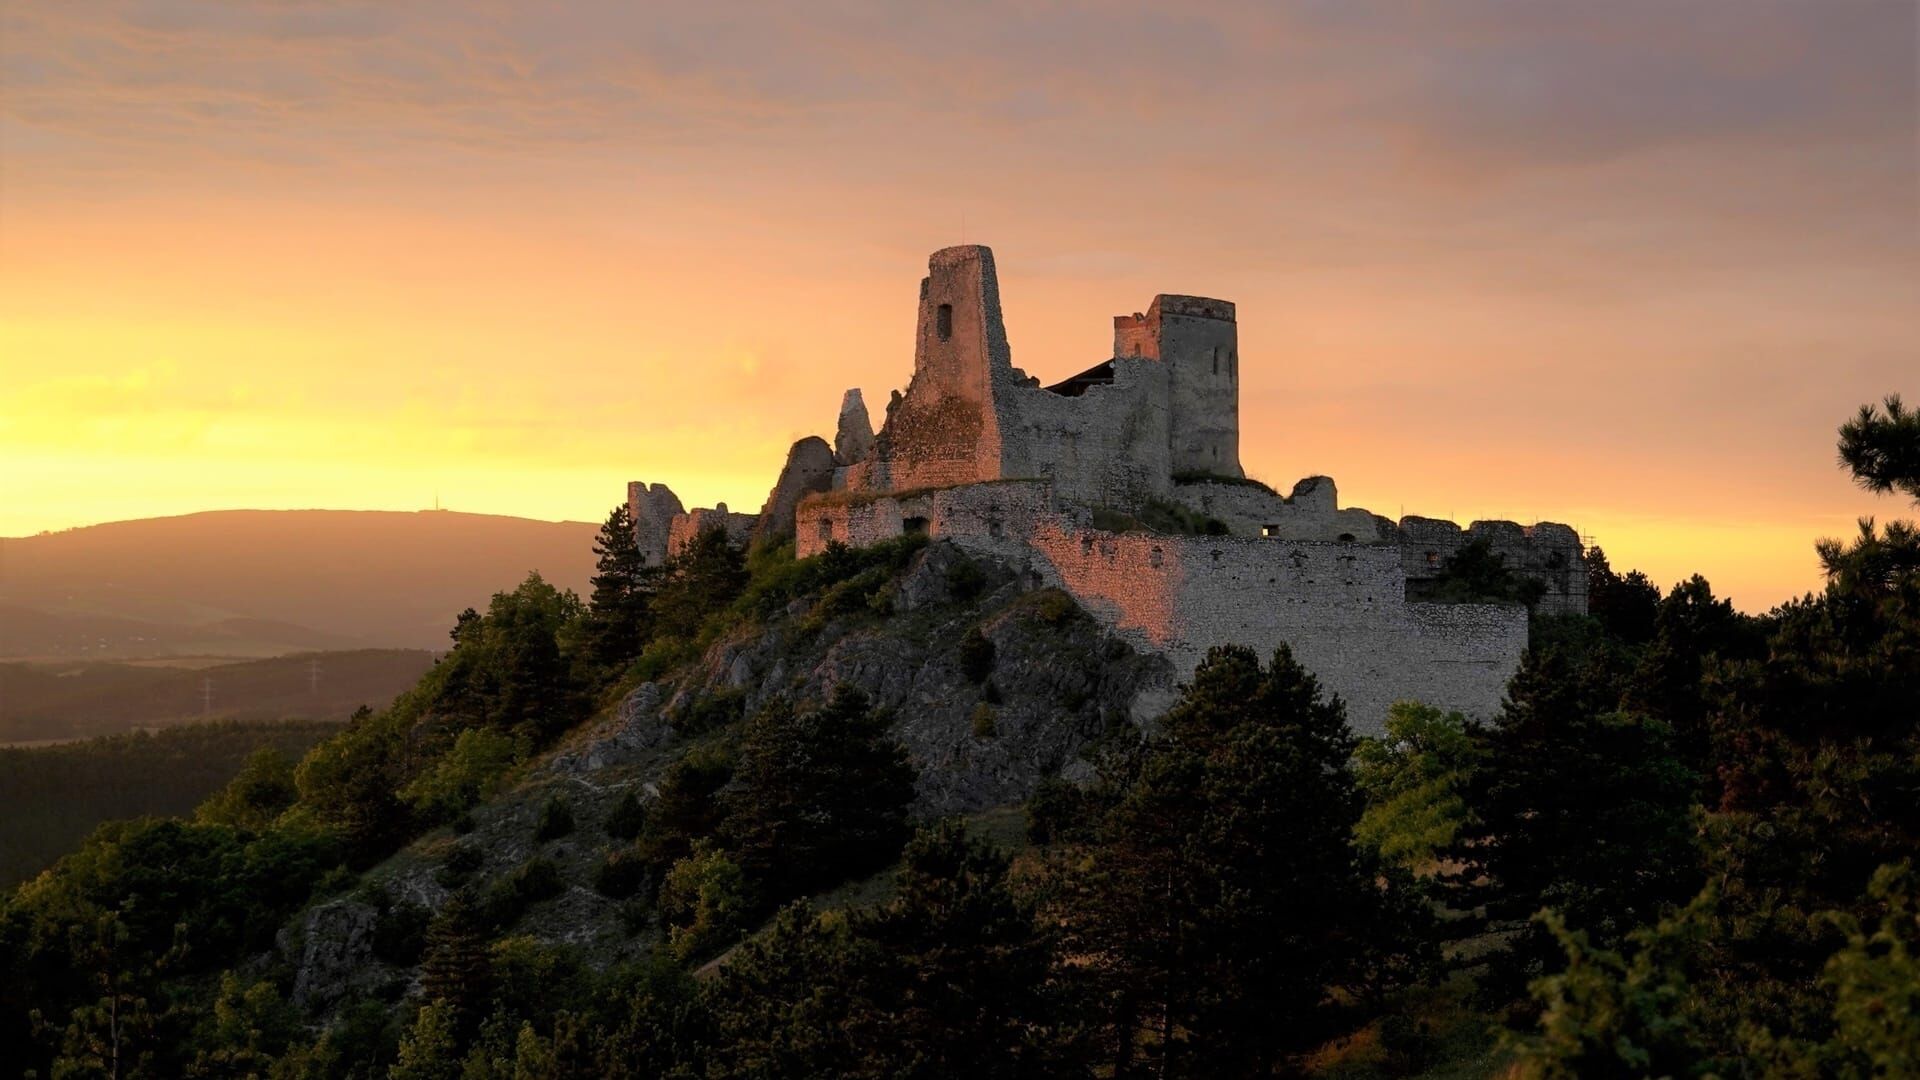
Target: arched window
pixel 943 322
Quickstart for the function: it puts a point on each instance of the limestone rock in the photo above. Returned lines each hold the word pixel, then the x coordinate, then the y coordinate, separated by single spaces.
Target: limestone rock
pixel 809 469
pixel 338 945
pixel 854 439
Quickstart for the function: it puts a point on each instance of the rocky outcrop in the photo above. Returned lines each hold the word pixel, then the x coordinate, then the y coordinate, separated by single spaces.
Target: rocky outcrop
pixel 854 439
pixel 809 469
pixel 336 945
pixel 1058 683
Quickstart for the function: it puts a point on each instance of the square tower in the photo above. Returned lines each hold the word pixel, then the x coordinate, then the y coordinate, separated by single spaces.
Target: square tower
pixel 1199 341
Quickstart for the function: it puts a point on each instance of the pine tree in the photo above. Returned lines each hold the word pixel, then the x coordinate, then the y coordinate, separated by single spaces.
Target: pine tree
pixel 1579 807
pixel 1225 904
pixel 822 795
pixel 619 610
pixel 455 969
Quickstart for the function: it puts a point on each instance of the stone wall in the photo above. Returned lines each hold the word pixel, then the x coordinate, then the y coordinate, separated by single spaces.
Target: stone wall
pixel 1547 552
pixel 1312 512
pixel 1341 606
pixel 1106 446
pixel 688 526
pixel 1000 513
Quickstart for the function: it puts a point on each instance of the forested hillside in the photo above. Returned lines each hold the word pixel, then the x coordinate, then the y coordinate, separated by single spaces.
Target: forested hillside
pixel 712 821
pixel 55 795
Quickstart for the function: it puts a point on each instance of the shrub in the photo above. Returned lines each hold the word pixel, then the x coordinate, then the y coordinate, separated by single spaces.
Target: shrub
pixel 983 721
pixel 704 903
pixel 1053 607
pixel 621 874
pixel 627 817
pixel 976 655
pixel 536 880
pixel 708 712
pixel 400 933
pixel 556 820
pixel 965 579
pixel 461 862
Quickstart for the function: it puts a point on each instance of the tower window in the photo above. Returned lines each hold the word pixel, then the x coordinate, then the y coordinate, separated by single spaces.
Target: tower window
pixel 1216 360
pixel 943 322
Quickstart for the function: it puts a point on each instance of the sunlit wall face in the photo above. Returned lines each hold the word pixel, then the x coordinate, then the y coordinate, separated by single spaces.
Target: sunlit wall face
pixel 1623 265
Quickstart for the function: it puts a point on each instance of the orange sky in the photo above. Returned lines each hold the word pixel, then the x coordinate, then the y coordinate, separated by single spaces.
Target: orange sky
pixel 1622 265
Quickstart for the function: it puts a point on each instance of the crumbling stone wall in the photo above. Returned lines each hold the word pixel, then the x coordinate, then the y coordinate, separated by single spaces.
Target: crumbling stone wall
pixel 653 508
pixel 1312 512
pixel 1107 446
pixel 944 430
pixel 1547 552
pixel 1004 512
pixel 688 526
pixel 809 468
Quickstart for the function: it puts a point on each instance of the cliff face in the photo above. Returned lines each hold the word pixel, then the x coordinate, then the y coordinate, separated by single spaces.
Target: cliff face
pixel 981 732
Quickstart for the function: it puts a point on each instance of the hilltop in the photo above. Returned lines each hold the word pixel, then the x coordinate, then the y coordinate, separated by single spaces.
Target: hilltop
pixel 267 582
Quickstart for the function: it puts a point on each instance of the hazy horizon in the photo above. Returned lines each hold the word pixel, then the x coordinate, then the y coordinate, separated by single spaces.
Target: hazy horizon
pixel 1623 266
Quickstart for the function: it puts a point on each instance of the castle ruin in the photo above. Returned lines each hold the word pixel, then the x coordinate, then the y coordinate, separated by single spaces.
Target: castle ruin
pixel 1068 481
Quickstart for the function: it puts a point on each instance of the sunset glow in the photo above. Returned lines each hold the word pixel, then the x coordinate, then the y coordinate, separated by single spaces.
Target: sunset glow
pixel 1616 266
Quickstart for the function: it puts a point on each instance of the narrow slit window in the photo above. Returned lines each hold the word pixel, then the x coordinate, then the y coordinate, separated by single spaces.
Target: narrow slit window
pixel 943 322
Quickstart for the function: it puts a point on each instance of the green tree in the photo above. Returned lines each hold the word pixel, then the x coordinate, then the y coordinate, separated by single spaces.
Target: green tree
pixel 456 972
pixel 262 791
pixel 1625 1015
pixel 703 902
pixel 703 580
pixel 1476 574
pixel 1625 604
pixel 468 772
pixel 251 1026
pixel 351 783
pixel 508 671
pixel 956 978
pixel 821 795
pixel 1881 447
pixel 1578 807
pixel 618 618
pixel 1225 907
pixel 431 1048
pixel 1413 778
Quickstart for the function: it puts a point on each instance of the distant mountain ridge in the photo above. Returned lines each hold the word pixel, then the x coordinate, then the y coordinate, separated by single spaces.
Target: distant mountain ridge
pixel 267 582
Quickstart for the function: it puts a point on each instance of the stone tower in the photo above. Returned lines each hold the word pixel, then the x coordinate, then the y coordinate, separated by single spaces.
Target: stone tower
pixel 1198 340
pixel 944 430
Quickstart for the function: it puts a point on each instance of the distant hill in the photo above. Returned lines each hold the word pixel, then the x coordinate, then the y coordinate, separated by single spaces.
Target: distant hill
pixel 78 699
pixel 268 582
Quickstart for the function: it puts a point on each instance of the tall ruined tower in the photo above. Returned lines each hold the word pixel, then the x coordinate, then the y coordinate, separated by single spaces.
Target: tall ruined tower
pixel 1198 340
pixel 944 429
